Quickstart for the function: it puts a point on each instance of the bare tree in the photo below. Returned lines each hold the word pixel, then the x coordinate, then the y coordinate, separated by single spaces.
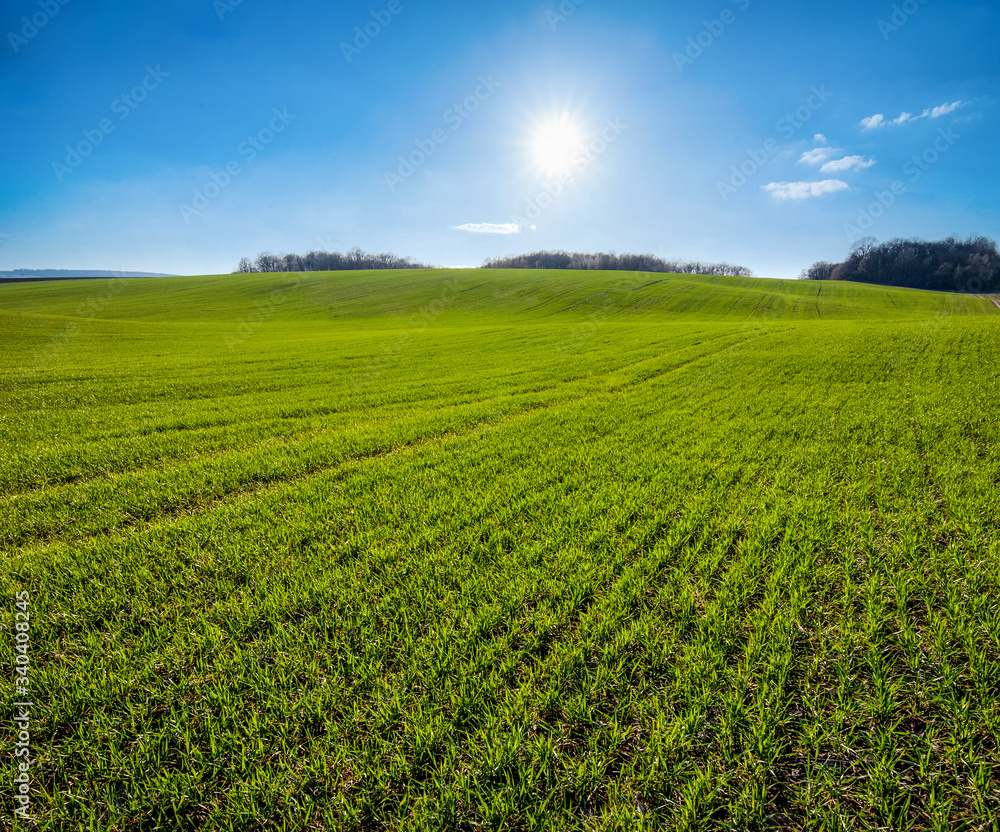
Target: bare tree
pixel 863 247
pixel 818 271
pixel 291 263
pixel 267 262
pixel 609 261
pixel 325 261
pixel 949 265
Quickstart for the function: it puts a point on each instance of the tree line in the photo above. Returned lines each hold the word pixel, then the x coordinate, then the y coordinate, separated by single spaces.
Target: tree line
pixel 613 262
pixel 332 261
pixel 324 261
pixel 949 265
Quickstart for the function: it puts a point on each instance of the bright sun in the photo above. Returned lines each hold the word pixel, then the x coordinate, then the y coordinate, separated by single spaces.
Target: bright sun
pixel 555 144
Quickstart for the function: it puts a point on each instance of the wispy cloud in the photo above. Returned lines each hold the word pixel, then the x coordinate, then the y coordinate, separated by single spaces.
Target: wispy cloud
pixel 823 156
pixel 943 110
pixel 804 190
pixel 847 163
pixel 489 227
pixel 879 120
pixel 817 156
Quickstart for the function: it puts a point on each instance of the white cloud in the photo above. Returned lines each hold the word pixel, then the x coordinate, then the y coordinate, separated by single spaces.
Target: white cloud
pixel 815 157
pixel 804 190
pixel 489 228
pixel 943 110
pixel 878 120
pixel 847 163
pixel 819 138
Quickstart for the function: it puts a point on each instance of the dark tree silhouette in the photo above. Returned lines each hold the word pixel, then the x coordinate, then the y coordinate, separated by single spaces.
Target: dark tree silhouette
pixel 267 262
pixel 818 271
pixel 613 262
pixel 324 261
pixel 949 265
pixel 864 246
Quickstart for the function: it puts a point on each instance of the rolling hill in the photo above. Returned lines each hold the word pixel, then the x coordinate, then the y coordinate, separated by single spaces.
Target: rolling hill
pixel 527 550
pixel 473 294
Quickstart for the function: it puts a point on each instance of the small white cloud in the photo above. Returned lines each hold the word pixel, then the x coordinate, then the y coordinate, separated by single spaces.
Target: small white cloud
pixel 847 163
pixel 943 110
pixel 804 190
pixel 819 138
pixel 878 120
pixel 489 227
pixel 817 156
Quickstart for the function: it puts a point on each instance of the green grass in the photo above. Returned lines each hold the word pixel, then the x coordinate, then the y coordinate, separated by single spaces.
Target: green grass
pixel 503 550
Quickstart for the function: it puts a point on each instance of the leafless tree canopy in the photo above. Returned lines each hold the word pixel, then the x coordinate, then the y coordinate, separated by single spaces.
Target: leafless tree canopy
pixel 613 262
pixel 324 261
pixel 818 271
pixel 950 265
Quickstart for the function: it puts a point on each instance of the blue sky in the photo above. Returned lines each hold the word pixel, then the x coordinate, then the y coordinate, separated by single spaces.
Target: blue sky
pixel 178 136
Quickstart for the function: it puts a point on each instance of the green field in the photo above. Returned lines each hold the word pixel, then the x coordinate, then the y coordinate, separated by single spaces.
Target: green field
pixel 489 550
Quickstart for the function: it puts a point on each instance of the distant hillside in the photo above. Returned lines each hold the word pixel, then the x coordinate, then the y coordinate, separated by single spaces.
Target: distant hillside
pixel 413 298
pixel 21 275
